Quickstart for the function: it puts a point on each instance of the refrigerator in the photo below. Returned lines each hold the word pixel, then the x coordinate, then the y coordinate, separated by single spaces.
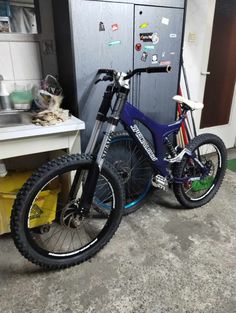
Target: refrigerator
pixel 122 35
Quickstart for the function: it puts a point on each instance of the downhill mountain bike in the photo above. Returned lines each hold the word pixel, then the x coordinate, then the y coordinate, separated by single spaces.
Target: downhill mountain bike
pixel 90 198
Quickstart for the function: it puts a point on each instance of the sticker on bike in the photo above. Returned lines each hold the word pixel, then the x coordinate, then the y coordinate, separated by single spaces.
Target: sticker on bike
pixel 144 142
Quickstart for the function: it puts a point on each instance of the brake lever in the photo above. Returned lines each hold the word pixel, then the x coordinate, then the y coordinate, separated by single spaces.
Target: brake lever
pixel 97 81
pixel 104 79
pixel 107 78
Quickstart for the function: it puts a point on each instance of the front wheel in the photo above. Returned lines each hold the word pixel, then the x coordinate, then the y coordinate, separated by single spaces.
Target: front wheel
pixel 201 174
pixel 47 226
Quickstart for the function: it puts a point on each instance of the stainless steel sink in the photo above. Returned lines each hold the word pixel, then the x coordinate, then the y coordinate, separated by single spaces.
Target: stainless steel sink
pixel 14 118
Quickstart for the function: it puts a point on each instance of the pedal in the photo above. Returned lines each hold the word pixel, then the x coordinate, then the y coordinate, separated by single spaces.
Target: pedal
pixel 160 182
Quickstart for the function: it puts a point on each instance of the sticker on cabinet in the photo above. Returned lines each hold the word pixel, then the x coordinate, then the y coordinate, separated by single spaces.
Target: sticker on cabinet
pixel 146 37
pixel 165 63
pixel 144 56
pixel 101 27
pixel 144 25
pixel 138 47
pixel 165 21
pixel 155 38
pixel 114 27
pixel 114 43
pixel 154 59
pixel 149 48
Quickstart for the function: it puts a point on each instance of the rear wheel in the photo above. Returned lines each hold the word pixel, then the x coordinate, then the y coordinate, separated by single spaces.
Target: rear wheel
pixel 48 228
pixel 201 180
pixel 133 168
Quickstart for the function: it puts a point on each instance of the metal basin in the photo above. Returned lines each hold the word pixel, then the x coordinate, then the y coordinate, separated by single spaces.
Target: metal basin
pixel 15 118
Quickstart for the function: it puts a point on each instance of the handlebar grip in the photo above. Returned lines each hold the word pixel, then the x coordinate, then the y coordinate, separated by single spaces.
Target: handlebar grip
pixel 105 71
pixel 159 69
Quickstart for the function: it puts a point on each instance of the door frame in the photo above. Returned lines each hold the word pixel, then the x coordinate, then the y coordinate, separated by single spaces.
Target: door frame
pixel 196 57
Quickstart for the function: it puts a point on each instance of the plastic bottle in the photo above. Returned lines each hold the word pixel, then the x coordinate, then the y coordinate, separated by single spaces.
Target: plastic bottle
pixel 3 170
pixel 5 103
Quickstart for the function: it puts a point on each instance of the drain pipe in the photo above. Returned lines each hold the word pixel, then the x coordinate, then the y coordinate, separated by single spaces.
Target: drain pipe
pixel 3 170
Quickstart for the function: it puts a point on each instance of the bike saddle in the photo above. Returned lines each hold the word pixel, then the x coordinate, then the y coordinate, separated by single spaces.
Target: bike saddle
pixel 191 104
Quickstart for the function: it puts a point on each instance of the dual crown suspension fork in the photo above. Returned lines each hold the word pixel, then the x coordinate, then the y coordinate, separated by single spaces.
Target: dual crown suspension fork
pixel 93 171
pixel 93 174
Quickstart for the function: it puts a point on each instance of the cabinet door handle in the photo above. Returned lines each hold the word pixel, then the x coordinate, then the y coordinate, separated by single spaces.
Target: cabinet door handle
pixel 205 73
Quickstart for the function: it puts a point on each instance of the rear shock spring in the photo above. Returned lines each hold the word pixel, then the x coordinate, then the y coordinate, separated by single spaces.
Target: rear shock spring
pixel 170 148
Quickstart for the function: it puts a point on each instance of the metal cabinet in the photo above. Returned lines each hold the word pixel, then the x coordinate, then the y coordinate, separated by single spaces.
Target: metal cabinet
pixel 156 91
pixel 122 35
pixel 96 45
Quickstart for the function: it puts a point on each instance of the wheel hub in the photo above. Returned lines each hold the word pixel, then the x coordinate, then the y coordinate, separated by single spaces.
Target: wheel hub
pixel 123 170
pixel 70 217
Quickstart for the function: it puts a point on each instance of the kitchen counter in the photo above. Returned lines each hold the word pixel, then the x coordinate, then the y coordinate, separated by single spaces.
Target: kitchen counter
pixel 29 139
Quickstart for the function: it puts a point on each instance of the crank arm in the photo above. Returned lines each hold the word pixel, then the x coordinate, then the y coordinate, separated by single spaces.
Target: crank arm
pixel 185 179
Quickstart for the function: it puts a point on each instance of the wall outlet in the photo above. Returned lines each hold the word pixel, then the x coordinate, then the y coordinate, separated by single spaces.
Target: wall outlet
pixel 192 37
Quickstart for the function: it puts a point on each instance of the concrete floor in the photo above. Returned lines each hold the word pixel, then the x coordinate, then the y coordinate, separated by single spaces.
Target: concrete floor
pixel 162 259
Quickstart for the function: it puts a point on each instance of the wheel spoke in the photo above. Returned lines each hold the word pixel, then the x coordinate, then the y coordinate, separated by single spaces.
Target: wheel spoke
pixel 210 160
pixel 133 167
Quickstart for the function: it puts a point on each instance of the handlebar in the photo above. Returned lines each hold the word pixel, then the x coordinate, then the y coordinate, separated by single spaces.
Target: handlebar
pixel 158 69
pixel 112 73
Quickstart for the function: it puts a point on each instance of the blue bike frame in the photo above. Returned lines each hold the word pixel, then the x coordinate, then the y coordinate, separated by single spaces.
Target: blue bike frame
pixel 159 132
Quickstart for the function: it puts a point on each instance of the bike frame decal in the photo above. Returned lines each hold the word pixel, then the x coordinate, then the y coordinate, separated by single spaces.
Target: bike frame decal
pixel 109 137
pixel 143 142
pixel 159 132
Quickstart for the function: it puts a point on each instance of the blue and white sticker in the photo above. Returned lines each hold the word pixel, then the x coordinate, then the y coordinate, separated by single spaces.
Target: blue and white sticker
pixel 149 48
pixel 155 59
pixel 155 38
pixel 114 43
pixel 173 35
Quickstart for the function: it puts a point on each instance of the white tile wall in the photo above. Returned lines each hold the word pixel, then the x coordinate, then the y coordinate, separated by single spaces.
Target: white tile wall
pixel 6 66
pixel 20 64
pixel 10 85
pixel 21 85
pixel 26 60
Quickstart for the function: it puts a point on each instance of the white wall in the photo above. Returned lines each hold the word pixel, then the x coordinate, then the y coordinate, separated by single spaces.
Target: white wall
pixel 23 62
pixel 20 63
pixel 199 21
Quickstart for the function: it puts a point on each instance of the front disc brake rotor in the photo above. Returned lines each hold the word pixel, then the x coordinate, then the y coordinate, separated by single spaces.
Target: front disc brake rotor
pixel 69 217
